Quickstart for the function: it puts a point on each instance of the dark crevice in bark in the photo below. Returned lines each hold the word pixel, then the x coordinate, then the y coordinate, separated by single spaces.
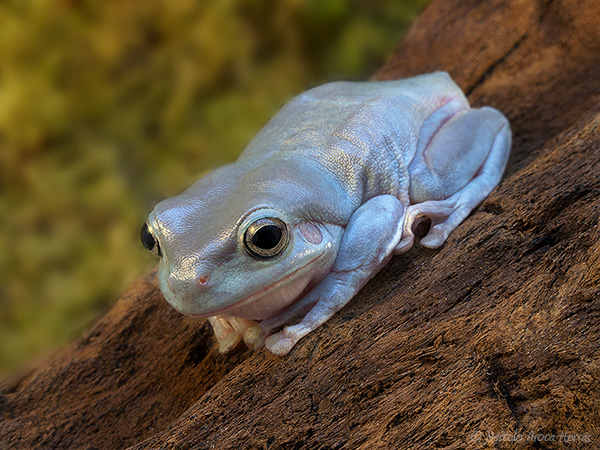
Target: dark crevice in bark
pixel 491 69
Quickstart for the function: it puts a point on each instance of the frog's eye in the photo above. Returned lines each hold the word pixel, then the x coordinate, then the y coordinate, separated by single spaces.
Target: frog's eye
pixel 149 241
pixel 266 238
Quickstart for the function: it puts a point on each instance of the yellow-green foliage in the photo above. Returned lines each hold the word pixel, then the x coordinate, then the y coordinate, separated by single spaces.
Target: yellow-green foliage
pixel 109 106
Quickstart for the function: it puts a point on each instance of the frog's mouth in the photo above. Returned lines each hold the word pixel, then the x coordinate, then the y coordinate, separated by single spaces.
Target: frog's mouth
pixel 273 299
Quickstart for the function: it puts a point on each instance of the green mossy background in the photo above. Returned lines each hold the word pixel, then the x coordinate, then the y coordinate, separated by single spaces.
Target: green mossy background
pixel 107 107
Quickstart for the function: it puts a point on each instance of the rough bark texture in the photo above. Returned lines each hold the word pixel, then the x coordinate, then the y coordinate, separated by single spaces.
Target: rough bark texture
pixel 496 332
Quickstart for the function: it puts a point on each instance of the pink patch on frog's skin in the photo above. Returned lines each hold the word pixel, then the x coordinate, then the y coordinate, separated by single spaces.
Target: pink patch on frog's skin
pixel 310 232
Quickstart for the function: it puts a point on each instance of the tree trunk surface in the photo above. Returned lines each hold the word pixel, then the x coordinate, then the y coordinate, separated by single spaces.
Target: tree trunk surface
pixel 491 341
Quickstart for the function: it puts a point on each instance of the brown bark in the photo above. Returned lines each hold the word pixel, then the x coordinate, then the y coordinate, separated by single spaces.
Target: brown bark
pixel 496 332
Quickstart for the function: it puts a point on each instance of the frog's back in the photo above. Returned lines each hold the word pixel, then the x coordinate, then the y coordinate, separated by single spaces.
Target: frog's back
pixel 395 108
pixel 422 88
pixel 363 133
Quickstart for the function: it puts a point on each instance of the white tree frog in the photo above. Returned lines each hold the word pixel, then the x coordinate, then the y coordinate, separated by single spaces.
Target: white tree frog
pixel 320 200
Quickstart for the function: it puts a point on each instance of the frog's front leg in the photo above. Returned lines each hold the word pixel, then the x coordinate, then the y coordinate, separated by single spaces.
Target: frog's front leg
pixel 454 172
pixel 367 244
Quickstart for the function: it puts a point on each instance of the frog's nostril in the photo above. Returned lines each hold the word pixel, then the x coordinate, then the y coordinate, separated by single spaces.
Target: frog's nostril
pixel 180 285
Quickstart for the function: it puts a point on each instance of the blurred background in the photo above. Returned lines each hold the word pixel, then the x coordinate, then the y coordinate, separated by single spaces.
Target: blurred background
pixel 107 107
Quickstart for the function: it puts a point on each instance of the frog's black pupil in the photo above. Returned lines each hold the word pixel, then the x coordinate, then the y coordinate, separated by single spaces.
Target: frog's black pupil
pixel 267 237
pixel 147 238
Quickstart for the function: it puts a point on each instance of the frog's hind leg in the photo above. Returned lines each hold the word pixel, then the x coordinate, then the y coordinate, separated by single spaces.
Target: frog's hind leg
pixel 458 168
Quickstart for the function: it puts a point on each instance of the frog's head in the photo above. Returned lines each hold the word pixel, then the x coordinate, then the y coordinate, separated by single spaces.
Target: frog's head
pixel 241 242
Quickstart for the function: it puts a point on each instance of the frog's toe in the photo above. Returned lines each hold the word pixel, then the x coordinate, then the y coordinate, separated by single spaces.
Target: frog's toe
pixel 434 239
pixel 227 337
pixel 228 342
pixel 441 228
pixel 280 343
pixel 249 330
pixel 253 337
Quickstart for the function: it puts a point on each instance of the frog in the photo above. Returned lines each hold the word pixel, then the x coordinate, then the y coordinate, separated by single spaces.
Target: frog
pixel 273 245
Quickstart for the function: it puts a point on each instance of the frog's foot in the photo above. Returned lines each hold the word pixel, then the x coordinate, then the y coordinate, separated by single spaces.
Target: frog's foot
pixel 438 212
pixel 298 309
pixel 465 157
pixel 230 330
pixel 281 343
pixel 324 301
